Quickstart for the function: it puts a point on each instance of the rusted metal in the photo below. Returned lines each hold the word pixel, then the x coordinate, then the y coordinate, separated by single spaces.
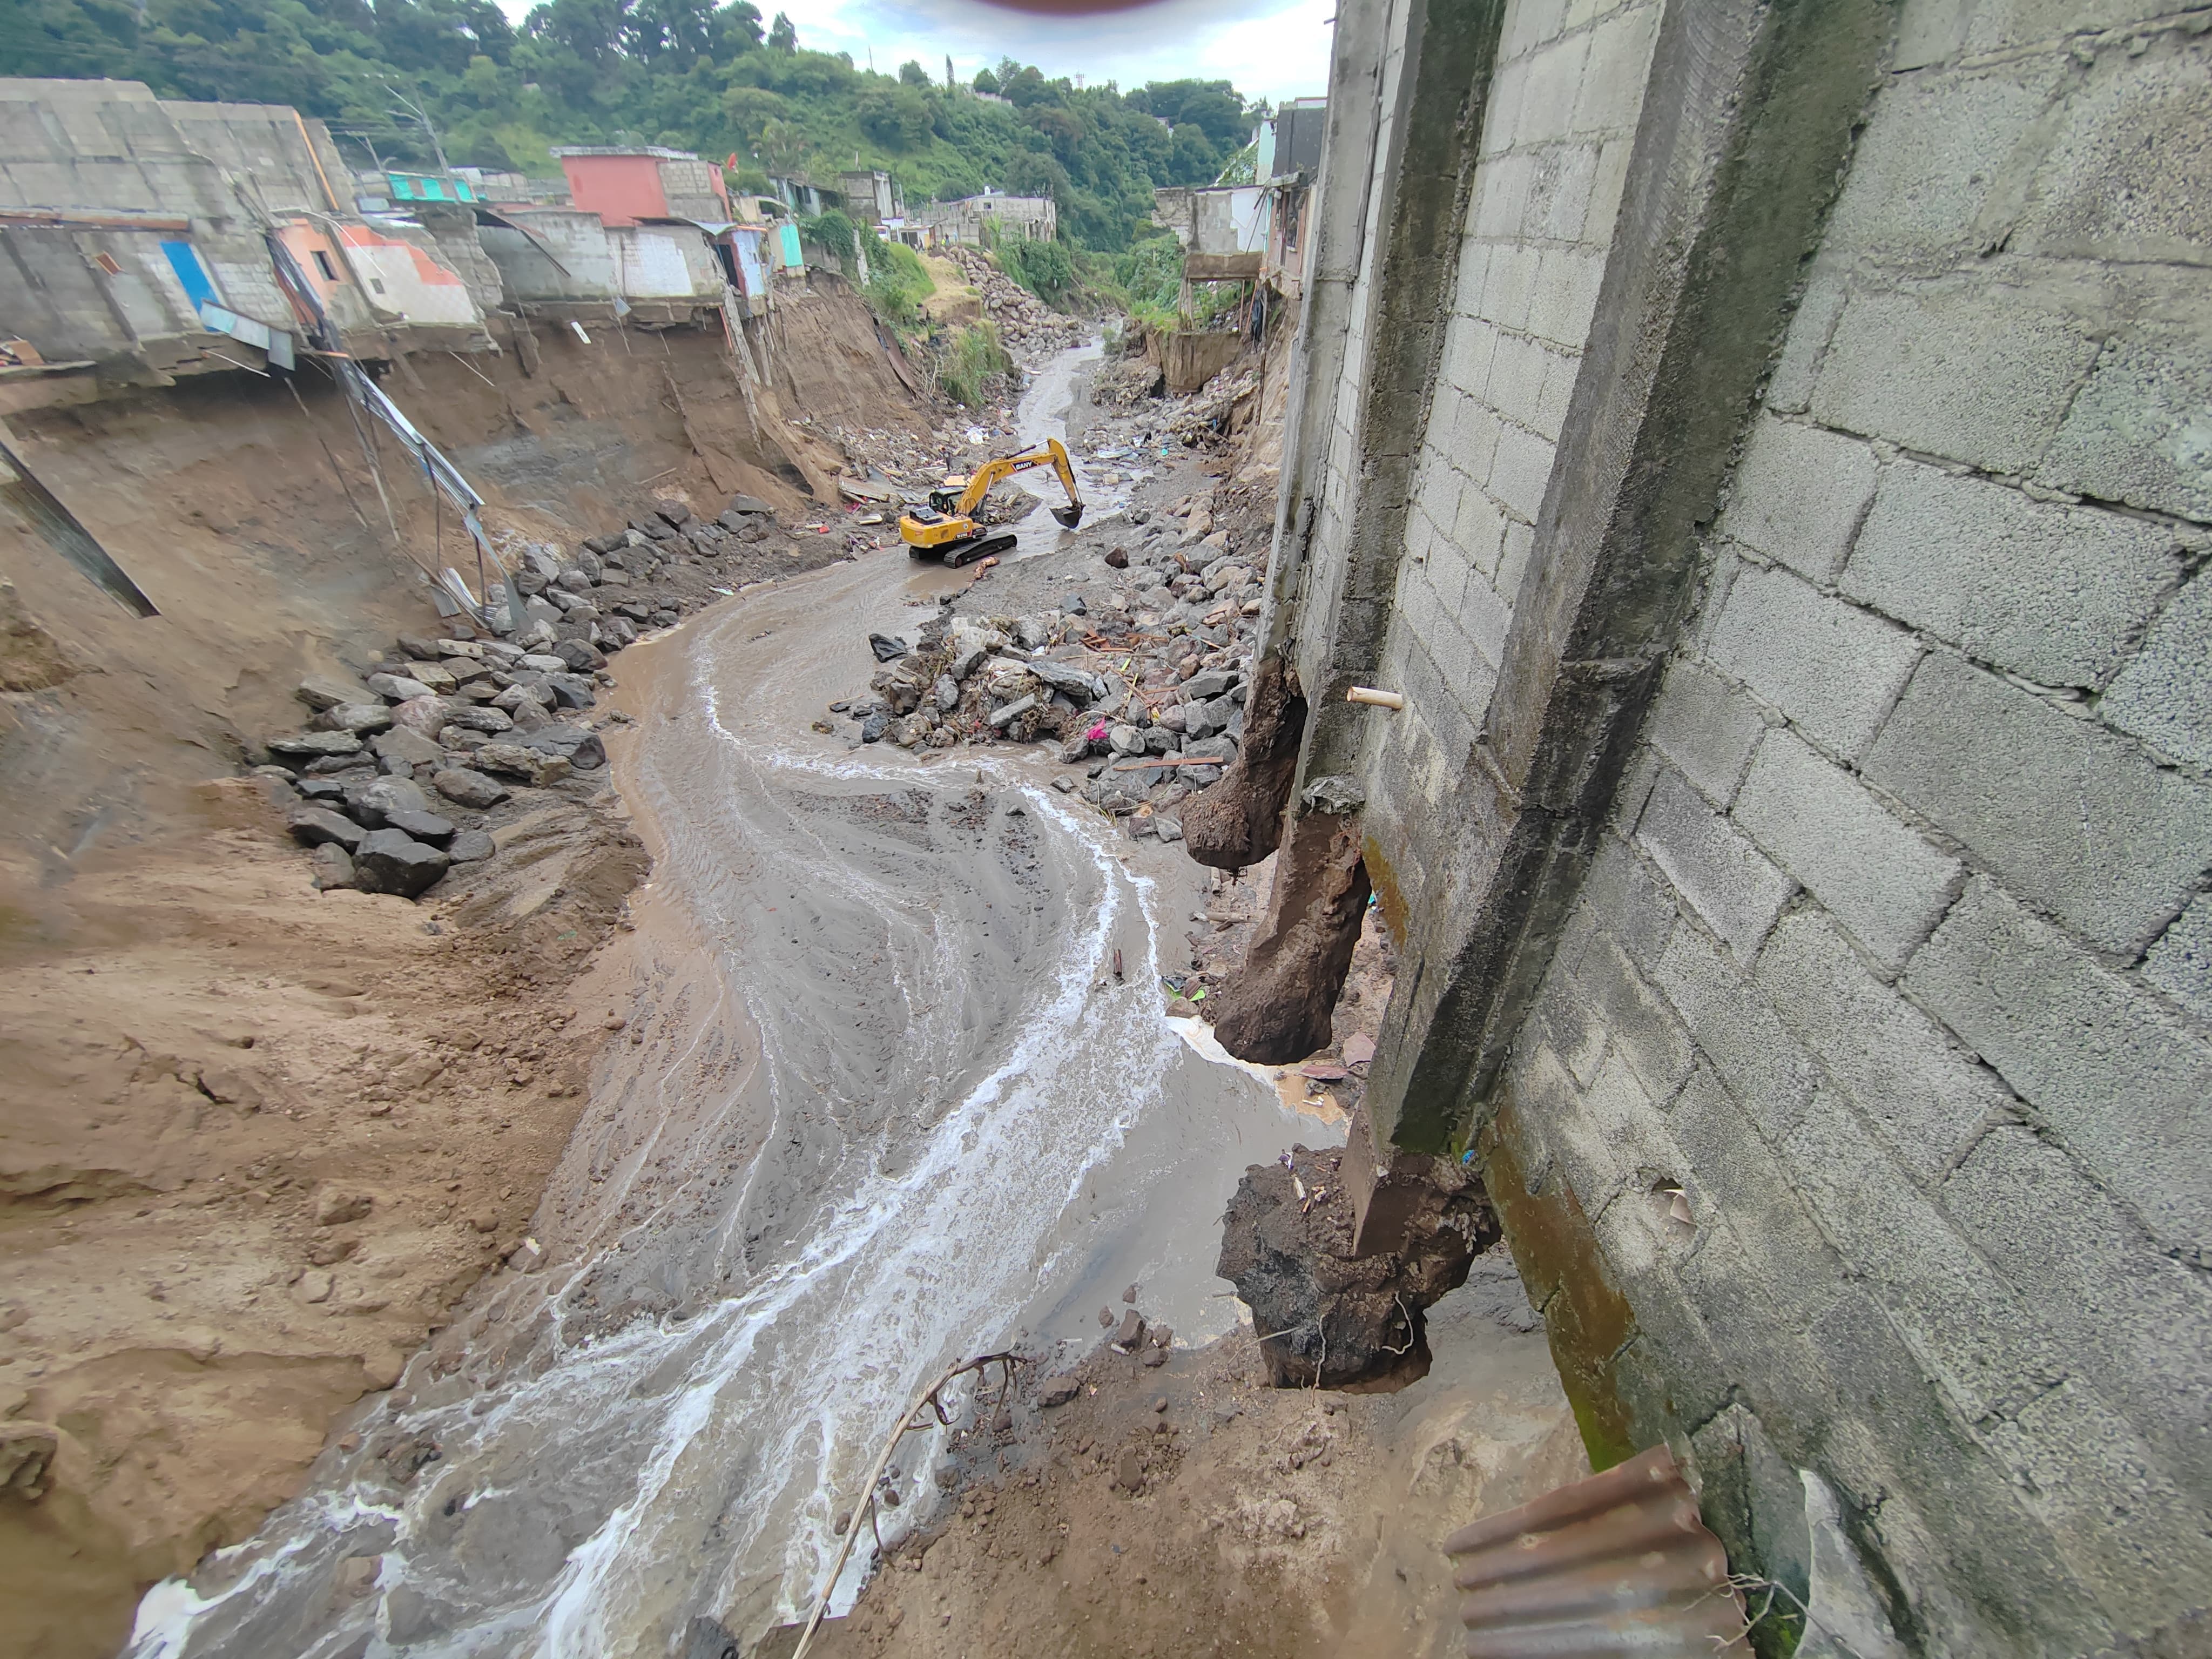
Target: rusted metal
pixel 1617 1563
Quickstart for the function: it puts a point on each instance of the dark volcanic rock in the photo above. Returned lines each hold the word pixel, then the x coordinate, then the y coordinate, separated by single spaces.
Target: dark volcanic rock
pixel 886 648
pixel 580 748
pixel 394 861
pixel 316 826
pixel 459 783
pixel 471 846
pixel 1354 1319
pixel 423 826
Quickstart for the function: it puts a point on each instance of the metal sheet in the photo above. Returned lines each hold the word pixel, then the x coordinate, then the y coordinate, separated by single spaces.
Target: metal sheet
pixel 20 488
pixel 1617 1563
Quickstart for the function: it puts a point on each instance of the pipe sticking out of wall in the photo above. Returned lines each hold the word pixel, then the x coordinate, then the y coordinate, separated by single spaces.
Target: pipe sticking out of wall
pixel 1380 699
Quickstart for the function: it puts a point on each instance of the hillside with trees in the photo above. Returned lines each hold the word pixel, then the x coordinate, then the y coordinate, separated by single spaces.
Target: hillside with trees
pixel 685 73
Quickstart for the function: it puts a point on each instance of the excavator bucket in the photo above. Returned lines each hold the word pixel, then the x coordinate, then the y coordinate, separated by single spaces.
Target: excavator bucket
pixel 1070 516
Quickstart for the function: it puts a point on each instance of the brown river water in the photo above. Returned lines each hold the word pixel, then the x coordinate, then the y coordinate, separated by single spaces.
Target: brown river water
pixel 881 1105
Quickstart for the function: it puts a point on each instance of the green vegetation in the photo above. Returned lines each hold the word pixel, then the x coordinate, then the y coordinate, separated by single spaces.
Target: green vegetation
pixel 685 73
pixel 970 362
pixel 1046 269
pixel 898 284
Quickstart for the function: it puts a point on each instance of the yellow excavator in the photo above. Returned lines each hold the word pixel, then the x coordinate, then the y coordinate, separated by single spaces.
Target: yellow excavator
pixel 947 528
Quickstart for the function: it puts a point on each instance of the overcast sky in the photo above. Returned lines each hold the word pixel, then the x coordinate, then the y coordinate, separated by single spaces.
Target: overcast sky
pixel 1272 49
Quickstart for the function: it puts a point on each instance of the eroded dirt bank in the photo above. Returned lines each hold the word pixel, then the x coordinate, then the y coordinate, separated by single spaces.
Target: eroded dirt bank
pixel 259 1141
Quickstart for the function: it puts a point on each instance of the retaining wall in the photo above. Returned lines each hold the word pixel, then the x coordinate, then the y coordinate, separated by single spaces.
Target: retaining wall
pixel 1789 529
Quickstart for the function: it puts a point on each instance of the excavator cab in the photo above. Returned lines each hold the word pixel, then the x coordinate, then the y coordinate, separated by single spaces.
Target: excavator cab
pixel 947 528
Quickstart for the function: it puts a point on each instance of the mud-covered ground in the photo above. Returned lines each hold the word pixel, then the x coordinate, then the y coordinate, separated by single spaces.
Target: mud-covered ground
pixel 1189 1510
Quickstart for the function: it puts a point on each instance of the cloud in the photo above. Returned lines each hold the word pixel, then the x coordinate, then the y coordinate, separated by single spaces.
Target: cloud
pixel 1271 49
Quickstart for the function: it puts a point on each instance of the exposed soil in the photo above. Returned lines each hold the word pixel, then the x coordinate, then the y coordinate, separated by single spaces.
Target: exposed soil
pixel 1189 1509
pixel 259 1140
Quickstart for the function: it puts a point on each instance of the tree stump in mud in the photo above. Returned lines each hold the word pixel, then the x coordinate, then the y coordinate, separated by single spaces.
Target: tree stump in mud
pixel 1239 821
pixel 1324 1316
pixel 1278 1009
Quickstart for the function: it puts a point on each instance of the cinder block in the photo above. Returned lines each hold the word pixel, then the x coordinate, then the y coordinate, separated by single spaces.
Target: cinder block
pixel 1614 1141
pixel 1739 1181
pixel 2180 963
pixel 1874 871
pixel 2127 1529
pixel 1629 903
pixel 1644 1030
pixel 1899 1246
pixel 2117 1078
pixel 1834 670
pixel 1705 726
pixel 1977 1521
pixel 1973 373
pixel 1799 495
pixel 1468 344
pixel 1614 77
pixel 1568 1027
pixel 1555 76
pixel 2121 182
pixel 1939 148
pixel 1789 390
pixel 1735 1028
pixel 1922 1093
pixel 1714 865
pixel 1521 471
pixel 1485 615
pixel 2055 594
pixel 2136 1322
pixel 2164 696
pixel 1565 300
pixel 1558 191
pixel 2137 433
pixel 2003 25
pixel 2068 815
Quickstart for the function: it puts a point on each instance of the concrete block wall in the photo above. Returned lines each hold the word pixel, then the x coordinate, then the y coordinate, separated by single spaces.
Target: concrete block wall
pixel 1896 957
pixel 1564 99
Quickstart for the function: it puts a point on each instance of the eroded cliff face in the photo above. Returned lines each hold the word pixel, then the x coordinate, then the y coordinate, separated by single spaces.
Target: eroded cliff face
pixel 258 1141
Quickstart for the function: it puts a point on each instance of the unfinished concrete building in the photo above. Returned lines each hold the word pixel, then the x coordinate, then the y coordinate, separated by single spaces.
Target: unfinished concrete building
pixel 1762 446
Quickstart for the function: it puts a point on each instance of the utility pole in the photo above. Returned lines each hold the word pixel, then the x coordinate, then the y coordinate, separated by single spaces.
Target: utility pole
pixel 422 116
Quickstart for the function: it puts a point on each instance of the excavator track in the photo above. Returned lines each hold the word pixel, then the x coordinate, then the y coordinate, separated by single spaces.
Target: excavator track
pixel 955 553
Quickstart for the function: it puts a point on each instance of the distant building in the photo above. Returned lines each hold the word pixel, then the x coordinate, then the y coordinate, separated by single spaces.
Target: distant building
pixel 871 198
pixel 624 186
pixel 978 220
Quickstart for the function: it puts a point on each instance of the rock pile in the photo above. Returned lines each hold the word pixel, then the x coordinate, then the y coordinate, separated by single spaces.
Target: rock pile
pixel 385 783
pixel 1146 692
pixel 1027 327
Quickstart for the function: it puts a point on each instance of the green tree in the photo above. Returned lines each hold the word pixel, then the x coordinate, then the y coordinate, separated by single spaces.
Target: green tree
pixel 986 83
pixel 783 36
pixel 913 75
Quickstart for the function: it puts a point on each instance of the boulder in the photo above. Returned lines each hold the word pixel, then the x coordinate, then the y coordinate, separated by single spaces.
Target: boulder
pixel 1125 740
pixel 1003 718
pixel 332 866
pixel 579 657
pixel 675 512
pixel 571 690
pixel 542 662
pixel 512 760
pixel 354 717
pixel 483 719
pixel 432 675
pixel 328 690
pixel 316 745
pixel 397 688
pixel 1199 688
pixel 947 693
pixel 1057 1391
pixel 316 826
pixel 403 746
pixel 394 861
pixel 1078 682
pixel 425 714
pixel 471 846
pixel 873 727
pixel 886 648
pixel 580 748
pixel 513 698
pixel 423 826
pixel 469 788
pixel 742 508
pixel 372 804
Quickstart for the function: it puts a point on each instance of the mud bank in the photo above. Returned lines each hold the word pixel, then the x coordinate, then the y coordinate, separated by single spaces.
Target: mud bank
pixel 261 1142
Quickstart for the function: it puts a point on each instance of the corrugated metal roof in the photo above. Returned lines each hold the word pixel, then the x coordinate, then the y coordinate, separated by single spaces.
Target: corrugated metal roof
pixel 1617 1563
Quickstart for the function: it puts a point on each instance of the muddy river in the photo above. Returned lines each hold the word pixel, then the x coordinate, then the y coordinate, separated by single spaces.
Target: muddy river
pixel 881 1103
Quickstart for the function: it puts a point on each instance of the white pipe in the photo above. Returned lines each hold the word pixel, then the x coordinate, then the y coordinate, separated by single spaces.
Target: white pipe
pixel 1380 699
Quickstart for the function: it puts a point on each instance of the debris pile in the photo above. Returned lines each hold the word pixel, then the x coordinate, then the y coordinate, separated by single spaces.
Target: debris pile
pixel 1027 327
pixel 388 782
pixel 1143 686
